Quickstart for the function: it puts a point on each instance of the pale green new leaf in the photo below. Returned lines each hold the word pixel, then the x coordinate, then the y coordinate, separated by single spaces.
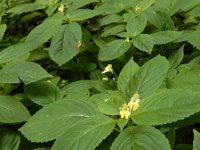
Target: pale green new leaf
pixel 64 44
pixel 44 31
pixel 3 28
pixel 26 71
pixel 136 25
pixel 176 57
pixel 144 42
pixel 108 102
pixel 12 111
pixel 113 50
pixel 9 140
pixel 42 93
pixel 149 77
pixel 87 134
pixel 167 106
pixel 126 74
pixel 141 138
pixel 164 37
pixel 54 119
pixel 196 141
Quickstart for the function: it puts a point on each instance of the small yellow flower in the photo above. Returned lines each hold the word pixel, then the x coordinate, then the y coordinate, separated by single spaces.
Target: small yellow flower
pixel 125 112
pixel 127 40
pixel 105 79
pixel 137 8
pixel 61 8
pixel 135 96
pixel 108 69
pixel 133 105
pixel 136 106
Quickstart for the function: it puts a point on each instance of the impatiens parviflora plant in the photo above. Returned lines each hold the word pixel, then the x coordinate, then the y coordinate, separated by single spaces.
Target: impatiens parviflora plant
pixel 54 94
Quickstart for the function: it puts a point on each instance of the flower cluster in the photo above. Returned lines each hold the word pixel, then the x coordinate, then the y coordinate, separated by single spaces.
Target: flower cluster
pixel 61 8
pixel 108 69
pixel 133 105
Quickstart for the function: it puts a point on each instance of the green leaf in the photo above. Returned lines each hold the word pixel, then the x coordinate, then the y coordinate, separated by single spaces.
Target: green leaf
pixel 141 138
pixel 176 57
pixel 126 74
pixel 196 144
pixel 44 31
pixel 77 86
pixel 54 119
pixel 160 20
pixel 164 37
pixel 78 4
pixel 24 8
pixel 149 77
pixel 42 93
pixel 87 134
pixel 27 71
pixel 108 102
pixel 113 30
pixel 185 80
pixel 136 25
pixel 167 106
pixel 82 14
pixel 144 42
pixel 182 5
pixel 3 28
pixel 144 4
pixel 64 44
pixel 9 140
pixel 113 50
pixel 110 19
pixel 193 37
pixel 12 111
pixel 15 52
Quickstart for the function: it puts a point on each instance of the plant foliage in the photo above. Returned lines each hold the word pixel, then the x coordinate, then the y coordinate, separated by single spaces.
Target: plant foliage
pixel 99 74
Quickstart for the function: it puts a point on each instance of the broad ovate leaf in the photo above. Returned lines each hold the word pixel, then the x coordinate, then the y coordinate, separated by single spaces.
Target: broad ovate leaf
pixel 141 138
pixel 44 31
pixel 176 57
pixel 12 111
pixel 164 37
pixel 126 74
pixel 9 140
pixel 136 25
pixel 144 42
pixel 149 77
pixel 167 106
pixel 42 93
pixel 54 119
pixel 108 102
pixel 26 71
pixel 87 134
pixel 15 52
pixel 66 43
pixel 113 50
